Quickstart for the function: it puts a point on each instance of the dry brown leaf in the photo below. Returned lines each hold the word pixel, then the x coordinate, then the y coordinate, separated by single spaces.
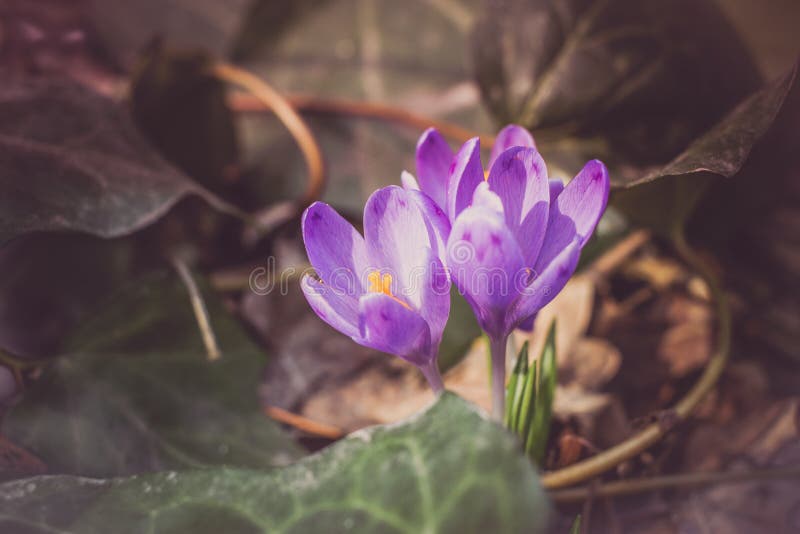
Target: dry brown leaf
pixel 657 271
pixel 685 347
pixel 758 506
pixel 572 310
pixel 592 363
pixel 392 390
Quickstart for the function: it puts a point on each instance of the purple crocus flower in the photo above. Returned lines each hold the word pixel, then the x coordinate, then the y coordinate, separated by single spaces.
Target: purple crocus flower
pixel 516 236
pixel 387 290
pixel 522 246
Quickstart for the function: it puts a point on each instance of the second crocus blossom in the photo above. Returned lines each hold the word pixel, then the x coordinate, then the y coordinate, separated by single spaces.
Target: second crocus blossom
pixel 450 178
pixel 515 245
pixel 387 290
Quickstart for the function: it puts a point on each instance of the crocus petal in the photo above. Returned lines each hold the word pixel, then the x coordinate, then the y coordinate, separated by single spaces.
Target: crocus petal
pixel 398 238
pixel 434 157
pixel 434 289
pixel 511 135
pixel 486 264
pixel 519 177
pixel 486 198
pixel 527 324
pixel 584 199
pixel 409 182
pixel 466 172
pixel 576 211
pixel 335 249
pixel 387 325
pixel 435 218
pixel 335 307
pixel 556 187
pixel 546 284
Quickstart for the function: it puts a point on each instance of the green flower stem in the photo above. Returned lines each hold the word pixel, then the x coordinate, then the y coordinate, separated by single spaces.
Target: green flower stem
pixel 498 351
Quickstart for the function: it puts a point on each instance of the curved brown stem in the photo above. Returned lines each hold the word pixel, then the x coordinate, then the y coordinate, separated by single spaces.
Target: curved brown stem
pixel 264 95
pixel 369 110
pixel 683 480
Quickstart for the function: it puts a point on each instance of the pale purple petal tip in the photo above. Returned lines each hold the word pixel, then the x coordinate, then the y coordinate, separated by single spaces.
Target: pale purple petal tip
pixel 335 249
pixel 434 157
pixel 584 199
pixel 398 236
pixel 486 198
pixel 511 135
pixel 466 172
pixel 519 177
pixel 409 182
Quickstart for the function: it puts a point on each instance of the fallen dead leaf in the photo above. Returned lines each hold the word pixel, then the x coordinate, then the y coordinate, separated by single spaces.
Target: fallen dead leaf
pixel 572 310
pixel 592 363
pixel 658 271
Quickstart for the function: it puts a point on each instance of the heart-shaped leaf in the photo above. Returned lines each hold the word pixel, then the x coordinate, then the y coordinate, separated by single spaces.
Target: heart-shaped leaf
pixel 447 470
pixel 72 160
pixel 665 198
pixel 135 392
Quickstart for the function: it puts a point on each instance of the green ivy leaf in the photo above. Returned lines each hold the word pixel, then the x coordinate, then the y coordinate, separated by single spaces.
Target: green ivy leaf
pixel 135 392
pixel 446 470
pixel 73 160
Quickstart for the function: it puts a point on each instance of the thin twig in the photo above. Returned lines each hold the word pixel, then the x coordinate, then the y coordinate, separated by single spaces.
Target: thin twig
pixel 369 110
pixel 198 306
pixel 303 423
pixel 650 435
pixel 683 480
pixel 262 94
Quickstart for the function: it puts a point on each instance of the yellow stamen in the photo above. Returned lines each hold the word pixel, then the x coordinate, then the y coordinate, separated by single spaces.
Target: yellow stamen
pixel 486 176
pixel 382 284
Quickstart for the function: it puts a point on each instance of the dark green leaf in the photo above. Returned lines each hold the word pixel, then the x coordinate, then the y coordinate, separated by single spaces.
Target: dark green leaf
pixel 135 392
pixel 724 148
pixel 126 27
pixel 49 282
pixel 640 78
pixel 447 470
pixel 666 197
pixel 72 160
pixel 182 109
